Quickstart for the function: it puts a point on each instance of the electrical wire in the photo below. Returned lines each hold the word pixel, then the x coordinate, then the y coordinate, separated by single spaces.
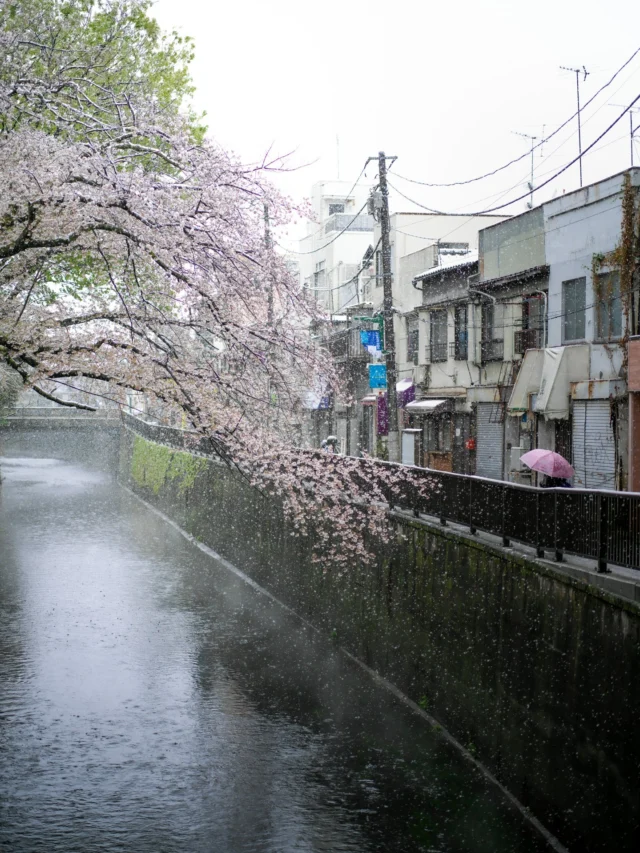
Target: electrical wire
pixel 527 153
pixel 540 186
pixel 339 234
pixel 348 281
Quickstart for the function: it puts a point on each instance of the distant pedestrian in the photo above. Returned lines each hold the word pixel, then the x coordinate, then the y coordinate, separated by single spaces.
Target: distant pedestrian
pixel 555 483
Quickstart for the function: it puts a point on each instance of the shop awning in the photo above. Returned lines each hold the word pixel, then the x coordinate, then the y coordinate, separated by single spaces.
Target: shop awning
pixel 406 391
pixel 369 400
pixel 424 407
pixel 548 375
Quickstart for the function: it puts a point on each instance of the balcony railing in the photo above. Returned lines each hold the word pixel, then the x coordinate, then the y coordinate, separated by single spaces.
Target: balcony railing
pixel 346 344
pixel 459 350
pixel 437 352
pixel 599 525
pixel 492 350
pixel 349 222
pixel 527 339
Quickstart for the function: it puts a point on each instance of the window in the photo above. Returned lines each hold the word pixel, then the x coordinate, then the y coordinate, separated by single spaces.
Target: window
pixel 573 308
pixel 531 335
pixel 608 305
pixel 412 339
pixel 438 430
pixel 461 334
pixel 492 340
pixel 336 208
pixel 438 336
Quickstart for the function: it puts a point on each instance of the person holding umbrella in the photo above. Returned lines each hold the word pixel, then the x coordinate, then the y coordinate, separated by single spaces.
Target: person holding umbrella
pixel 557 470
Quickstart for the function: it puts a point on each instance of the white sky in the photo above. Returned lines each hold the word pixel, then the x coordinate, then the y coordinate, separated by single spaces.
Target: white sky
pixel 441 85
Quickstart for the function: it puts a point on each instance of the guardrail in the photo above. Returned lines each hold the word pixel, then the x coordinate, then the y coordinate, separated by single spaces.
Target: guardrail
pixel 58 412
pixel 600 525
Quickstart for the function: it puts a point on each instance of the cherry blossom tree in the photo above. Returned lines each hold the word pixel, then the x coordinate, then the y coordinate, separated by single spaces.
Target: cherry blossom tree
pixel 135 250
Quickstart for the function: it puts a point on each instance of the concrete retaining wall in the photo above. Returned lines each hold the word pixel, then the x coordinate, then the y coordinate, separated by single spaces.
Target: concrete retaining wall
pixel 536 674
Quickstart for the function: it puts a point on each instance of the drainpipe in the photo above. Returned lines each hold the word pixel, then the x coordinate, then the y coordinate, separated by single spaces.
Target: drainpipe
pixel 476 327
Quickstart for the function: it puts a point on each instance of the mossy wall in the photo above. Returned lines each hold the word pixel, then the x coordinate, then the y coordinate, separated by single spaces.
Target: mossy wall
pixel 539 678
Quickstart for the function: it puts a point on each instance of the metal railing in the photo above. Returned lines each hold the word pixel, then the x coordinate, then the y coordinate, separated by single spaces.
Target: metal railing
pixel 600 525
pixel 112 412
pixel 492 350
pixel 525 339
pixel 458 349
pixel 437 352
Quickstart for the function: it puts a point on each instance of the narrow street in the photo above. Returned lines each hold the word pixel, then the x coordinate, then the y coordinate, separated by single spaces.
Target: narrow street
pixel 152 701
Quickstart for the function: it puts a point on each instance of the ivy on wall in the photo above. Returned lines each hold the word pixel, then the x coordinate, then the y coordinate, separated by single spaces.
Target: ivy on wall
pixel 626 259
pixel 153 465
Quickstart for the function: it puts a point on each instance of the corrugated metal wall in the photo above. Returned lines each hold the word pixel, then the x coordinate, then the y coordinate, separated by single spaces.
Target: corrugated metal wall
pixel 593 445
pixel 489 442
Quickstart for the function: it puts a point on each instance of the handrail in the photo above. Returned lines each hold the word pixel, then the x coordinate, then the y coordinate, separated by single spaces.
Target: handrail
pixel 597 524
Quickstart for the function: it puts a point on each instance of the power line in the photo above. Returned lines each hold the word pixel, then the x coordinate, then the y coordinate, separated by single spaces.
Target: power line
pixel 540 186
pixel 339 234
pixel 540 143
pixel 344 283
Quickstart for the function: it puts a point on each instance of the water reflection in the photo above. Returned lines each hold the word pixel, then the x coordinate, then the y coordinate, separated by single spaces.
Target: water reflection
pixel 151 701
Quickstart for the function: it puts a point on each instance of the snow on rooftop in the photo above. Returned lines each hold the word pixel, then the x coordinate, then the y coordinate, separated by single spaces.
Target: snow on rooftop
pixel 449 262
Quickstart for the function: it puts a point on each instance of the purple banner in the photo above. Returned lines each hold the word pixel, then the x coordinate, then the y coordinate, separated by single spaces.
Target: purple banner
pixel 383 416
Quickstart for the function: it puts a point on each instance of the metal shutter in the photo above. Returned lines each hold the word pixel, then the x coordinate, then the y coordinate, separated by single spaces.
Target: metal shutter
pixel 594 446
pixel 489 442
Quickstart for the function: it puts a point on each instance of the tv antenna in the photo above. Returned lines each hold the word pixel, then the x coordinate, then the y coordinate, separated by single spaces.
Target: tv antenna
pixel 578 72
pixel 632 130
pixel 533 140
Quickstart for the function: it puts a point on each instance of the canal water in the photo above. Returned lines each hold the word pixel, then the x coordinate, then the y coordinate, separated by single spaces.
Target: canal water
pixel 151 701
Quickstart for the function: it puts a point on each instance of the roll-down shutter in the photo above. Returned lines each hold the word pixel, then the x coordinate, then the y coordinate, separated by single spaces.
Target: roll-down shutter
pixel 593 445
pixel 489 442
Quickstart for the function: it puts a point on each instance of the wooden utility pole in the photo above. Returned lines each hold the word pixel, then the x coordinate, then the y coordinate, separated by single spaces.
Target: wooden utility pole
pixel 389 344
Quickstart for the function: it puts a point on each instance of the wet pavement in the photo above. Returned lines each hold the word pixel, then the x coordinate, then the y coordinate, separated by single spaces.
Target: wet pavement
pixel 150 700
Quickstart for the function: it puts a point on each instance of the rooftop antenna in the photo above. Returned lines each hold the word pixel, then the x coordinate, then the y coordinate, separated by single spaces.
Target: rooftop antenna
pixel 578 72
pixel 632 130
pixel 533 140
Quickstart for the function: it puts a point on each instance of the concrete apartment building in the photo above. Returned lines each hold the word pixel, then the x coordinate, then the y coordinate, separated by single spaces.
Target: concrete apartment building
pixel 549 311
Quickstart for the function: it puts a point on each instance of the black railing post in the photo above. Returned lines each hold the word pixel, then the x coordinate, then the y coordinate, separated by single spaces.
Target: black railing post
pixel 559 556
pixel 539 548
pixel 603 533
pixel 505 539
pixel 472 528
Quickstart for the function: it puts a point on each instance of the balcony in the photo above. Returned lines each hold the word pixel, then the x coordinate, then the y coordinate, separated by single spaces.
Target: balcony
pixel 437 352
pixel 458 350
pixel 349 222
pixel 345 345
pixel 492 350
pixel 527 339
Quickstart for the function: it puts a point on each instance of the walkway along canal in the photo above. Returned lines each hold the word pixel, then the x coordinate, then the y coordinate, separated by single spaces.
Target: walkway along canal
pixel 151 701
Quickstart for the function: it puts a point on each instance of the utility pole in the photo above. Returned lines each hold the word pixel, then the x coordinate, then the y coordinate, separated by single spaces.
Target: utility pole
pixel 389 346
pixel 532 139
pixel 578 72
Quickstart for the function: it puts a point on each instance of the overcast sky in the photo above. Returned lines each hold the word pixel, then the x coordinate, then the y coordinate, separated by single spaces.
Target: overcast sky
pixel 442 86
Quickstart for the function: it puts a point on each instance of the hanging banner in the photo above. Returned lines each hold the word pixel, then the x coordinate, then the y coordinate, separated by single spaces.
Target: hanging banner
pixel 377 376
pixel 382 425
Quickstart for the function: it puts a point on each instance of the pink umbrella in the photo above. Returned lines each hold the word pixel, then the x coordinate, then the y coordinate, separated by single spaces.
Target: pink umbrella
pixel 547 462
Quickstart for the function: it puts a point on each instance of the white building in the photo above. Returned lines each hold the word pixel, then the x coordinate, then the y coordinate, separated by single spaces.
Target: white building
pixel 328 266
pixel 579 380
pixel 419 242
